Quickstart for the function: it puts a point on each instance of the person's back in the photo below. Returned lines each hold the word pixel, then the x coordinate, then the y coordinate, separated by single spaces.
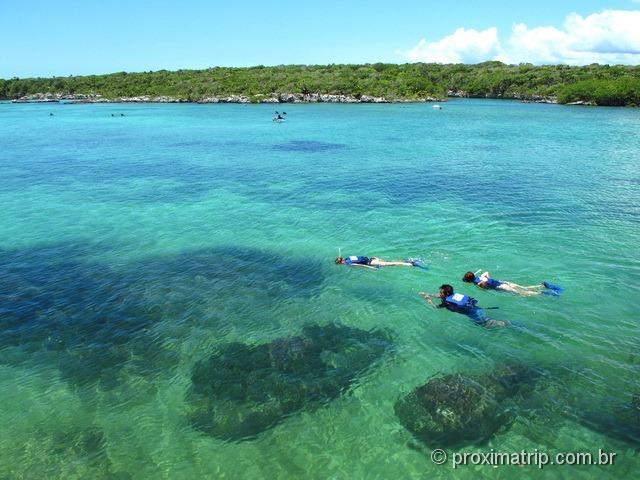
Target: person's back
pixel 458 302
pixel 484 281
pixel 464 304
pixel 357 260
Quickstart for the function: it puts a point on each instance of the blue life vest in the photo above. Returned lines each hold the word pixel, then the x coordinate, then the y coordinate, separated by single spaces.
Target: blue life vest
pixel 489 282
pixel 356 260
pixel 459 302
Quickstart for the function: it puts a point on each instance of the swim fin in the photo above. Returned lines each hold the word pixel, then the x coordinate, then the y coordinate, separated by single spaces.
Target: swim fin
pixel 417 263
pixel 552 289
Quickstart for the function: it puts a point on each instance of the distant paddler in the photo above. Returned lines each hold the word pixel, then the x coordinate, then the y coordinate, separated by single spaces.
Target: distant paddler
pixel 279 117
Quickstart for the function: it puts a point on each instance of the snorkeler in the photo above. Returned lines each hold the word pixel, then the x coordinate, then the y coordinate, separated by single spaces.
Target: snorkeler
pixel 375 262
pixel 485 281
pixel 459 303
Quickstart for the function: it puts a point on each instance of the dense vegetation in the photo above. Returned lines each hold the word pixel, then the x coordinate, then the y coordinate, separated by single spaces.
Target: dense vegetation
pixel 615 92
pixel 599 84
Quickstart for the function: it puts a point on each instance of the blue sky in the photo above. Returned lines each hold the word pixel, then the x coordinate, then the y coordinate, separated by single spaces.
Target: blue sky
pixel 44 38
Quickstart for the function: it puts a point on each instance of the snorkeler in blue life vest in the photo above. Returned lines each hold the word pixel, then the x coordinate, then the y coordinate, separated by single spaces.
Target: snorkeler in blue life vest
pixel 485 281
pixel 375 262
pixel 460 303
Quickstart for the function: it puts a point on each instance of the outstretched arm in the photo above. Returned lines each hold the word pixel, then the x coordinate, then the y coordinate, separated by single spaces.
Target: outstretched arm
pixel 429 298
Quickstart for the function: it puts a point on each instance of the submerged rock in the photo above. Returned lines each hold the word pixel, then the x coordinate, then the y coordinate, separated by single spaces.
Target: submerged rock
pixel 458 409
pixel 620 420
pixel 242 390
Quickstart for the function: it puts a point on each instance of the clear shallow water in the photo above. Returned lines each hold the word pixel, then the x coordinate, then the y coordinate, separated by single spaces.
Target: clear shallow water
pixel 133 247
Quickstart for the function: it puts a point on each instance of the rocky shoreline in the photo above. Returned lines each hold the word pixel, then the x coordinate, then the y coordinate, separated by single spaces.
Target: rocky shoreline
pixel 279 98
pixel 523 97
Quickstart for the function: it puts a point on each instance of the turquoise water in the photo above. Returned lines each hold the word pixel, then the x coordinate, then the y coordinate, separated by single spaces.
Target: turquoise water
pixel 134 247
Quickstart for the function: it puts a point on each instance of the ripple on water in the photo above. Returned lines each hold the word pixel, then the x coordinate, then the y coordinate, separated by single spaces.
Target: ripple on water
pixel 526 191
pixel 309 146
pixel 100 324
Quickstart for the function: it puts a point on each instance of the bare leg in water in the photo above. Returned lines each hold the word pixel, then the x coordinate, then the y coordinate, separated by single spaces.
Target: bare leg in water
pixel 376 262
pixel 491 323
pixel 521 290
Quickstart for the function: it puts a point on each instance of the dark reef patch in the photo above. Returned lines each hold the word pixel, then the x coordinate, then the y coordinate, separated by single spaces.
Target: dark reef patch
pixel 243 390
pixel 181 180
pixel 204 142
pixel 309 146
pixel 556 399
pixel 97 323
pixel 83 317
pixel 616 419
pixel 169 175
pixel 368 188
pixel 457 410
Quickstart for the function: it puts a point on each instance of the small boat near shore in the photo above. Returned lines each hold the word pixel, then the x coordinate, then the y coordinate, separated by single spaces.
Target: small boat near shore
pixel 437 107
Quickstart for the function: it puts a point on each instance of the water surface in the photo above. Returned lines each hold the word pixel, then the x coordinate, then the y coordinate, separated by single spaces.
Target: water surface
pixel 134 247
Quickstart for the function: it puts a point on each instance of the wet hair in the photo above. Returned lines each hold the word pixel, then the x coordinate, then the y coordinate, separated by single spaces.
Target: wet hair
pixel 339 260
pixel 468 277
pixel 446 289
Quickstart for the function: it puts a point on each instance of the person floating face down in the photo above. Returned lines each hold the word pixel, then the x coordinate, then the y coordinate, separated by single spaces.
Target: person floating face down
pixel 460 303
pixel 486 282
pixel 372 262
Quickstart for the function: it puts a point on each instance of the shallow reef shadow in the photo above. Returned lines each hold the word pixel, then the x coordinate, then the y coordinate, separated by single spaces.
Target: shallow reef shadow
pixel 102 324
pixel 457 410
pixel 242 390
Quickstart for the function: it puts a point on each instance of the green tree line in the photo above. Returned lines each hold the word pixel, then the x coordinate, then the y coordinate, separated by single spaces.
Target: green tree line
pixel 599 84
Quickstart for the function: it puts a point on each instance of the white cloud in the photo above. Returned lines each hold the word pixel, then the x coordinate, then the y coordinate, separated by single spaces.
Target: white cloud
pixel 462 46
pixel 611 36
pixel 612 31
